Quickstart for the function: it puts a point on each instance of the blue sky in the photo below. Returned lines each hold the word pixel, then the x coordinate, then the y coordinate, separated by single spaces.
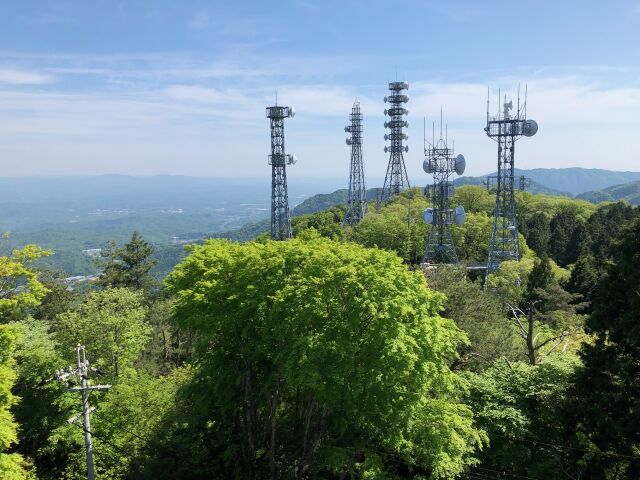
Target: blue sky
pixel 179 87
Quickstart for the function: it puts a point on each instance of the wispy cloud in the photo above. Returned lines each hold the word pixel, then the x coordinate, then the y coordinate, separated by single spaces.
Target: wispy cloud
pixel 15 76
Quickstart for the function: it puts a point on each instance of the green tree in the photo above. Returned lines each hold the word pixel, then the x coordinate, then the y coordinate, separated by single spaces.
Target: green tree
pixel 328 359
pixel 544 313
pixel 111 324
pixel 20 288
pixel 537 234
pixel 11 464
pixel 516 404
pixel 479 313
pixel 474 199
pixel 129 266
pixel 58 298
pixel 595 249
pixel 564 230
pixel 607 393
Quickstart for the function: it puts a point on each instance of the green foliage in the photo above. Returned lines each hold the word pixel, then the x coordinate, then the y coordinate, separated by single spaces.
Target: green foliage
pixel 111 324
pixel 128 266
pixel 474 199
pixel 43 406
pixel 566 234
pixel 11 464
pixel 327 223
pixel 595 249
pixel 324 353
pixel 607 394
pixel 537 233
pixel 398 226
pixel 479 313
pixel 472 238
pixel 516 404
pixel 20 288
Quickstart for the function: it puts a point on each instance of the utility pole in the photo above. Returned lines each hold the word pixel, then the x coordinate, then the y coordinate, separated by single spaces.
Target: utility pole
pixel 81 373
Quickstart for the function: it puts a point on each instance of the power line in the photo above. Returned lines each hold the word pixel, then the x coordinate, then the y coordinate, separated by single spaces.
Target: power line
pixel 121 428
pixel 565 447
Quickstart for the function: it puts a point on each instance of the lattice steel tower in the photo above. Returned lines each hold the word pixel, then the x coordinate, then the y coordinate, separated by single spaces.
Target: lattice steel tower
pixel 441 164
pixel 396 178
pixel 280 218
pixel 357 202
pixel 505 128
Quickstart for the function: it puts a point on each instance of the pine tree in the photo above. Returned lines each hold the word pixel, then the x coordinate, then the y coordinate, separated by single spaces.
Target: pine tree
pixel 608 388
pixel 128 266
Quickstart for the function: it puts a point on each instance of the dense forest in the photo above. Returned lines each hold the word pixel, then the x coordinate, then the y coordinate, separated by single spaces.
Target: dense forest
pixel 336 355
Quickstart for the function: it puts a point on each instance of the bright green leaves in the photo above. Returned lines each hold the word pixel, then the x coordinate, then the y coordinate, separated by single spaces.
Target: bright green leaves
pixel 321 345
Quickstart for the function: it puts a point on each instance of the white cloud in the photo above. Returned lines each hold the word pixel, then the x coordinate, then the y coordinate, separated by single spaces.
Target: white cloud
pixel 15 76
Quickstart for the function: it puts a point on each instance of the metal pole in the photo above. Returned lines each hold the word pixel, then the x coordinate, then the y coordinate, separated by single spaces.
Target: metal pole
pixel 82 369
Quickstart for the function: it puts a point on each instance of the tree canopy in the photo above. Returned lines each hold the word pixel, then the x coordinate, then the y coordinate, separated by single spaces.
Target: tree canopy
pixel 337 354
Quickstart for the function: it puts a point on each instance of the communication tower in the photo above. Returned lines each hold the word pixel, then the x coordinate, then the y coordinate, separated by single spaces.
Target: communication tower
pixel 280 218
pixel 441 164
pixel 396 178
pixel 505 128
pixel 357 203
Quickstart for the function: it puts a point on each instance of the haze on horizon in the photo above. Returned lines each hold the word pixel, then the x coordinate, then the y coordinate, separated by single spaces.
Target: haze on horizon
pixel 180 88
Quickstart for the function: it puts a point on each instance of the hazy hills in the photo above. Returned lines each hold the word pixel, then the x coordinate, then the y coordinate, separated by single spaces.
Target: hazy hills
pixel 576 180
pixel 70 214
pixel 629 192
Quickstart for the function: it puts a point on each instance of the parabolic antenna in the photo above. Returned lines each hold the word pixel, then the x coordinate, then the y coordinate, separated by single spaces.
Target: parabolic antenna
pixel 349 141
pixel 458 215
pixel 347 128
pixel 530 128
pixel 427 166
pixel 459 164
pixel 292 111
pixel 428 215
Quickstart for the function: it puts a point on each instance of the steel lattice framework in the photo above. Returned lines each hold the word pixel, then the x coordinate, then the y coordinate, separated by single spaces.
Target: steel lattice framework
pixel 506 129
pixel 280 217
pixel 441 164
pixel 396 178
pixel 357 202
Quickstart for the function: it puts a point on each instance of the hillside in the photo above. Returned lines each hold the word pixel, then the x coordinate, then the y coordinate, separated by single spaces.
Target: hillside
pixel 578 180
pixel 629 192
pixel 534 187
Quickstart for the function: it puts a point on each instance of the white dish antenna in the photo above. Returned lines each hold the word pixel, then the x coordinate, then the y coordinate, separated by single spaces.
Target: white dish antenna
pixel 292 111
pixel 428 216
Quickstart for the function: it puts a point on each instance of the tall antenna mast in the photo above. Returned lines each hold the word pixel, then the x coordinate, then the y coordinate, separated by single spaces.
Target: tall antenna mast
pixel 505 130
pixel 396 178
pixel 357 201
pixel 441 164
pixel 280 217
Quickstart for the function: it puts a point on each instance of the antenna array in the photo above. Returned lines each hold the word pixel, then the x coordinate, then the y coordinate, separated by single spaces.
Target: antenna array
pixel 441 164
pixel 357 201
pixel 280 217
pixel 505 128
pixel 396 178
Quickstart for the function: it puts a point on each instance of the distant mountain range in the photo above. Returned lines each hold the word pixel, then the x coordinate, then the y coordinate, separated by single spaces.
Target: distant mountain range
pixel 576 180
pixel 629 192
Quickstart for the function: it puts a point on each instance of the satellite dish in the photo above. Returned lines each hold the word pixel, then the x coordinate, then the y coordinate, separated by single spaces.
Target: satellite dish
pixel 349 141
pixel 428 215
pixel 427 166
pixel 458 215
pixel 385 111
pixel 386 137
pixel 459 164
pixel 292 111
pixel 347 129
pixel 386 149
pixel 292 159
pixel 406 148
pixel 385 99
pixel 530 128
pixel 386 124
